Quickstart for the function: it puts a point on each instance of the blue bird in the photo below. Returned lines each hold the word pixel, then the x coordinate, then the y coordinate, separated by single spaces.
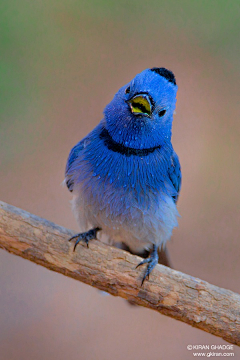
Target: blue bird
pixel 124 175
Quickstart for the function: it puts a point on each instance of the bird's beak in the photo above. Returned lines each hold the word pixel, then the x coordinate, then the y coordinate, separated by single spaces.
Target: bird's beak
pixel 140 105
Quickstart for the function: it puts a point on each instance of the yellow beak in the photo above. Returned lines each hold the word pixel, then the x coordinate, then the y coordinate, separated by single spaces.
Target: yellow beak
pixel 140 105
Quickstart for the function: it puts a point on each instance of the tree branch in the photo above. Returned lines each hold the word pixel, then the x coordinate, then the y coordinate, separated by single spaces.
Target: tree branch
pixel 168 291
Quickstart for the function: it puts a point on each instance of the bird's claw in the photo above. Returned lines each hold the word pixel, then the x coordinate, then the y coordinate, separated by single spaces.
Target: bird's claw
pixel 86 237
pixel 152 261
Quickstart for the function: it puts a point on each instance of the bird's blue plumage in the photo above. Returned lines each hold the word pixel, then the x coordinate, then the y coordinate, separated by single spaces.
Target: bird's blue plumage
pixel 125 175
pixel 175 175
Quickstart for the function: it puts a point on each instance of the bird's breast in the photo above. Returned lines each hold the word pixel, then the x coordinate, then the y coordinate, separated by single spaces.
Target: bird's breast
pixel 122 185
pixel 127 196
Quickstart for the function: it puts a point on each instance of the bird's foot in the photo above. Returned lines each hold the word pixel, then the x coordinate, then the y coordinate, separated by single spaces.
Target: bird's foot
pixel 152 261
pixel 86 237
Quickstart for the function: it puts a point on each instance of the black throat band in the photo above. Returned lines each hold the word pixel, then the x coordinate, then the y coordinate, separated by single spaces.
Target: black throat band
pixel 122 149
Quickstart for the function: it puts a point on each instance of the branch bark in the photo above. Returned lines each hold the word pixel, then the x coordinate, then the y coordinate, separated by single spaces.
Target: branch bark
pixel 168 291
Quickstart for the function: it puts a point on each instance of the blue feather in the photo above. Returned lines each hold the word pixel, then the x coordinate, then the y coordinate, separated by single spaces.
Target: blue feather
pixel 124 174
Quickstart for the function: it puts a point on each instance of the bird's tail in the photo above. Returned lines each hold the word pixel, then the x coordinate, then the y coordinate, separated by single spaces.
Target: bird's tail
pixel 163 257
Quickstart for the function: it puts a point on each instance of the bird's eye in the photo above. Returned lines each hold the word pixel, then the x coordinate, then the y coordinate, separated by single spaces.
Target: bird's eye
pixel 127 91
pixel 162 112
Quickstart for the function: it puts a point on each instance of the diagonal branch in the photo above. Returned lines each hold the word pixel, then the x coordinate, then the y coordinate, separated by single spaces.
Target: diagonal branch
pixel 168 291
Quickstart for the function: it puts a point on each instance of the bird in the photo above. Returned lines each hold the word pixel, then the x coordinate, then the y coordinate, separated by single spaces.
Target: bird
pixel 124 175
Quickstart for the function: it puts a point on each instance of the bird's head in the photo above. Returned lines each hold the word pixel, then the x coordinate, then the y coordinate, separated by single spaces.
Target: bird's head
pixel 141 113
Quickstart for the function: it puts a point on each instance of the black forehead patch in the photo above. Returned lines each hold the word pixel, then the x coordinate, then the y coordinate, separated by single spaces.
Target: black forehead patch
pixel 167 74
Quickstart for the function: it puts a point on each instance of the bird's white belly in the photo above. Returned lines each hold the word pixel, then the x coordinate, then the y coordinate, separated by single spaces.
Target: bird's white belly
pixel 138 229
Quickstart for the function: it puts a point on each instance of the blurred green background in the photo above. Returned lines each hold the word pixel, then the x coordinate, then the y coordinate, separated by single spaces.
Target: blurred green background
pixel 60 63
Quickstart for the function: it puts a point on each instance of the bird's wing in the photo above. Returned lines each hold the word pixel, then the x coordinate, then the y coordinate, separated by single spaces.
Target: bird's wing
pixel 74 154
pixel 175 175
